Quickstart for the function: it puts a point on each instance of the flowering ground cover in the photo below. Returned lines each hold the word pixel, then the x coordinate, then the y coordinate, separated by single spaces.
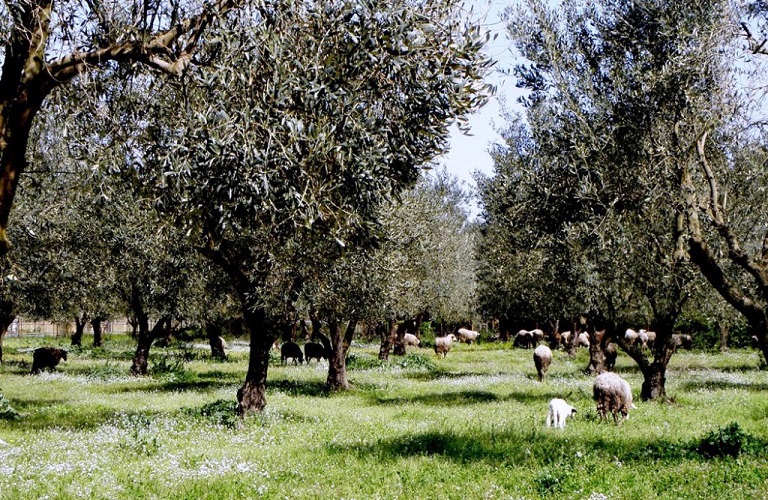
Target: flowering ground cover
pixel 467 426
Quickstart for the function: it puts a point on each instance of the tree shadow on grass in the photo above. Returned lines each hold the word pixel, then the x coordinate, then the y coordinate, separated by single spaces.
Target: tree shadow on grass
pixel 298 388
pixel 470 397
pixel 722 385
pixel 518 447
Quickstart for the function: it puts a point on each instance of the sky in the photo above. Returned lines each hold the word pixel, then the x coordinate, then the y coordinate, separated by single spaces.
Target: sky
pixel 470 153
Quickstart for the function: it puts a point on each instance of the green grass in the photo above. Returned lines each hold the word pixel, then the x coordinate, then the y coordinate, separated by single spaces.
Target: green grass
pixel 467 426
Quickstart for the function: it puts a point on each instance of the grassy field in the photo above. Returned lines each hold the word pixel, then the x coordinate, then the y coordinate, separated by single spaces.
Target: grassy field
pixel 467 426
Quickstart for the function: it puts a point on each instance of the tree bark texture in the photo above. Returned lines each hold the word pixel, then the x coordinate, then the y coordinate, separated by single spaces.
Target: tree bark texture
pixel 77 337
pixel 252 396
pixel 97 337
pixel 6 319
pixel 597 342
pixel 213 332
pixel 337 364
pixel 387 333
pixel 145 339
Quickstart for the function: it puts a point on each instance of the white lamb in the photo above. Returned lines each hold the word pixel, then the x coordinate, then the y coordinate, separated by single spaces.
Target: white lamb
pixel 411 339
pixel 558 412
pixel 468 336
pixel 444 344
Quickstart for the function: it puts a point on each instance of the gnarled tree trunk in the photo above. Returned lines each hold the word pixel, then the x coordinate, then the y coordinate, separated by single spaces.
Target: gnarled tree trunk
pixel 145 339
pixel 77 337
pixel 213 332
pixel 337 364
pixel 96 325
pixel 252 396
pixel 597 342
pixel 387 333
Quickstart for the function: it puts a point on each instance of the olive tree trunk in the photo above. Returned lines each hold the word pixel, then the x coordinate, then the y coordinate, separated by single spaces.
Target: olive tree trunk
pixel 144 343
pixel 77 337
pixel 97 331
pixel 252 396
pixel 213 332
pixel 387 334
pixel 337 364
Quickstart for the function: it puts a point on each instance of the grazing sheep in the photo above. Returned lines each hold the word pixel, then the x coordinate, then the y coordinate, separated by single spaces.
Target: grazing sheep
pixel 444 344
pixel 315 350
pixel 630 336
pixel 683 340
pixel 538 335
pixel 611 352
pixel 523 338
pixel 46 358
pixel 291 350
pixel 558 412
pixel 542 358
pixel 582 340
pixel 612 393
pixel 224 344
pixel 564 337
pixel 411 339
pixel 468 336
pixel 649 337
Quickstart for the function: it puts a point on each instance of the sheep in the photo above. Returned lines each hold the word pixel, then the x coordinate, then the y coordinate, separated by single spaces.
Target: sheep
pixel 224 344
pixel 293 351
pixel 683 340
pixel 468 336
pixel 444 344
pixel 542 358
pixel 523 338
pixel 315 350
pixel 46 358
pixel 611 352
pixel 582 340
pixel 558 412
pixel 630 336
pixel 538 335
pixel 564 336
pixel 612 393
pixel 411 339
pixel 650 338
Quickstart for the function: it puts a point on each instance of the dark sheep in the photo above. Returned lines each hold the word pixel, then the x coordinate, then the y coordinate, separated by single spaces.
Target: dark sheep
pixel 46 358
pixel 293 351
pixel 682 340
pixel 315 350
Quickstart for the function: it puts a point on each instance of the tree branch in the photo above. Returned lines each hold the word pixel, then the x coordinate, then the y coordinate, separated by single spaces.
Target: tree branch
pixel 155 52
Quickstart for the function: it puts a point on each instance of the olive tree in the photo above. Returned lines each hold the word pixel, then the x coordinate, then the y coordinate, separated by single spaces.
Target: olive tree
pixel 313 114
pixel 618 93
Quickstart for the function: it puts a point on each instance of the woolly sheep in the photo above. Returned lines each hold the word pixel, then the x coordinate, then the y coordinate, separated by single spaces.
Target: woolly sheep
pixel 46 358
pixel 538 335
pixel 291 350
pixel 523 338
pixel 683 340
pixel 611 352
pixel 630 336
pixel 582 340
pixel 649 338
pixel 468 336
pixel 612 393
pixel 411 339
pixel 444 344
pixel 558 412
pixel 315 350
pixel 542 358
pixel 564 336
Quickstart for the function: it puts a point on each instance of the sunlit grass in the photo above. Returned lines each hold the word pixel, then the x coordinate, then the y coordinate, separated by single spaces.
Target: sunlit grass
pixel 467 426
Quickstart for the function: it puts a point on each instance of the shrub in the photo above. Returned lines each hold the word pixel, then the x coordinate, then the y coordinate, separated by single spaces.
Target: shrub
pixel 221 412
pixel 723 442
pixel 7 412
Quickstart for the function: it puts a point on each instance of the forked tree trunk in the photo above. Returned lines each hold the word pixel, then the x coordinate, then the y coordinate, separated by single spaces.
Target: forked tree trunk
pixel 145 339
pixel 337 364
pixel 134 322
pixel 387 334
pixel 252 396
pixel 96 325
pixel 77 337
pixel 398 349
pixel 213 331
